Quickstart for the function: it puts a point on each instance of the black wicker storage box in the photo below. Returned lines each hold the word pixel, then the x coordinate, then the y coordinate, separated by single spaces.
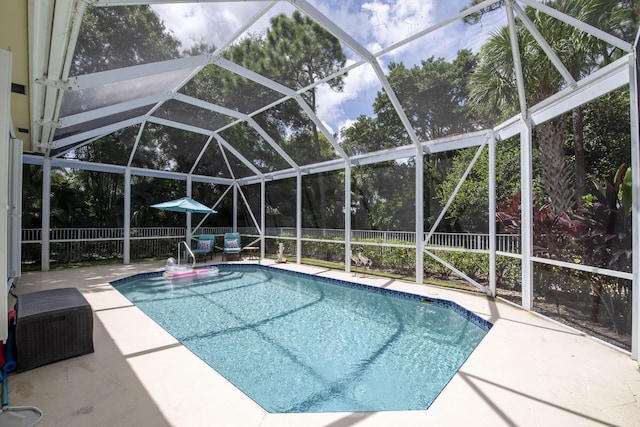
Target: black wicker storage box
pixel 52 325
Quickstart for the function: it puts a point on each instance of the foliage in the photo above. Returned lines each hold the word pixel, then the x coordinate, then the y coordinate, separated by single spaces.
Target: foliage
pixel 598 234
pixel 140 38
pixel 606 134
pixel 377 203
pixel 494 81
pixel 434 97
pixel 469 209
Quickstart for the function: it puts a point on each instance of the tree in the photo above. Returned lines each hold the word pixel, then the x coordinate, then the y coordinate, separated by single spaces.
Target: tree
pixel 494 92
pixel 296 52
pixel 140 38
pixel 116 37
pixel 434 97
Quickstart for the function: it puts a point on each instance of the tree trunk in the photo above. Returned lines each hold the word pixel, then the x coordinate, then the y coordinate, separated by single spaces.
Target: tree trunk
pixel 556 176
pixel 578 148
pixel 316 141
pixel 321 195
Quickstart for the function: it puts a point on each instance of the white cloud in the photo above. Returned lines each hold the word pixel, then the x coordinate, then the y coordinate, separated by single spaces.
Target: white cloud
pixel 375 24
pixel 389 24
pixel 360 88
pixel 213 23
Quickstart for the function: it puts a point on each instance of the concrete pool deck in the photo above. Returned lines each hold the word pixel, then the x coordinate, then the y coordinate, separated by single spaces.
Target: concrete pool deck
pixel 528 371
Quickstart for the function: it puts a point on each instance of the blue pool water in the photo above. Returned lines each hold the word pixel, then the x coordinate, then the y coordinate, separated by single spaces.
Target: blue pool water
pixel 298 343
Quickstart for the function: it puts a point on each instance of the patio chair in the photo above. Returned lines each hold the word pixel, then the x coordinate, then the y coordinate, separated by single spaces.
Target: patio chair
pixel 205 246
pixel 231 246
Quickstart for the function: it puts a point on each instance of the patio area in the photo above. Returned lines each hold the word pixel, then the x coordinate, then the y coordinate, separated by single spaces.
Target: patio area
pixel 528 371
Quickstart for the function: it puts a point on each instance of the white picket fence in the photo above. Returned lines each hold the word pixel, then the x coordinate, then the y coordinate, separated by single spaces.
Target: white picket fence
pixel 73 244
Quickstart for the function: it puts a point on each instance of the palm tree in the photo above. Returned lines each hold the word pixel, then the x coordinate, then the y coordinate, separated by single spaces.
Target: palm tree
pixel 493 90
pixel 493 82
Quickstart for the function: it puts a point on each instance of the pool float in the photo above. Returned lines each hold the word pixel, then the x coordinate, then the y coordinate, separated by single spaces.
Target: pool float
pixel 176 271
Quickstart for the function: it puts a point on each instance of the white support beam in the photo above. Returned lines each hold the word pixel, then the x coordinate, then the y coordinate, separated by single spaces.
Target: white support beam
pixel 110 110
pixel 272 143
pixel 209 106
pixel 134 149
pixel 31 159
pixel 526 211
pixel 634 95
pixel 492 216
pixel 40 22
pixel 118 75
pixel 453 195
pixel 456 142
pixel 347 217
pixel 248 207
pixel 253 76
pixel 178 125
pixel 602 35
pixel 230 186
pixel 224 144
pixel 299 218
pixel 555 60
pixel 508 129
pixel 457 272
pixel 605 80
pixel 45 215
pixel 6 61
pixel 323 129
pixel 234 211
pixel 419 214
pixel 63 142
pixel 263 215
pixel 188 216
pixel 127 217
pixel 197 160
pixel 339 33
pixel 62 36
pixel 515 53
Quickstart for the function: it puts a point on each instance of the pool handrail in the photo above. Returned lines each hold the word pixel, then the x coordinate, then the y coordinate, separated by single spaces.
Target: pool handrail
pixel 188 250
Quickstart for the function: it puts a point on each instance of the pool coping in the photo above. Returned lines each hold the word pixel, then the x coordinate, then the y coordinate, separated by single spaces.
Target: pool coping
pixel 527 371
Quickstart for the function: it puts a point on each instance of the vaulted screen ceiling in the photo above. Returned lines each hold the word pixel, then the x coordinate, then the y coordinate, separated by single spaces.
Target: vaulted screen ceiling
pixel 247 136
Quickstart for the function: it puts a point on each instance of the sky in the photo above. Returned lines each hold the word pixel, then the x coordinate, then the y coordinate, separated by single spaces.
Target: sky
pixel 375 24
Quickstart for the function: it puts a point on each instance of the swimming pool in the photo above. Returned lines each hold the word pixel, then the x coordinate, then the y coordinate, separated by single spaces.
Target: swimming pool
pixel 300 343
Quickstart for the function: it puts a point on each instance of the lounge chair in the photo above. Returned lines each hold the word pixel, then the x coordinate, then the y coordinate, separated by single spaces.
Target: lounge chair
pixel 232 246
pixel 205 246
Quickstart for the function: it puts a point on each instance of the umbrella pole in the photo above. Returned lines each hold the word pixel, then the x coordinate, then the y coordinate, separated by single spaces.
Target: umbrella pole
pixel 188 234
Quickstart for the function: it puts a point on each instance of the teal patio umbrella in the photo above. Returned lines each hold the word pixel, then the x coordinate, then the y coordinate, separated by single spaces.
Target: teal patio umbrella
pixel 185 204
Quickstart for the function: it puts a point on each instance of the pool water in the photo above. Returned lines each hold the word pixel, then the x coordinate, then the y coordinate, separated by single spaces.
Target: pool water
pixel 299 343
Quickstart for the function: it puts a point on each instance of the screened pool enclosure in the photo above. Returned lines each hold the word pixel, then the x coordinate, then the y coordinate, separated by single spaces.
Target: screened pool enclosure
pixel 492 145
